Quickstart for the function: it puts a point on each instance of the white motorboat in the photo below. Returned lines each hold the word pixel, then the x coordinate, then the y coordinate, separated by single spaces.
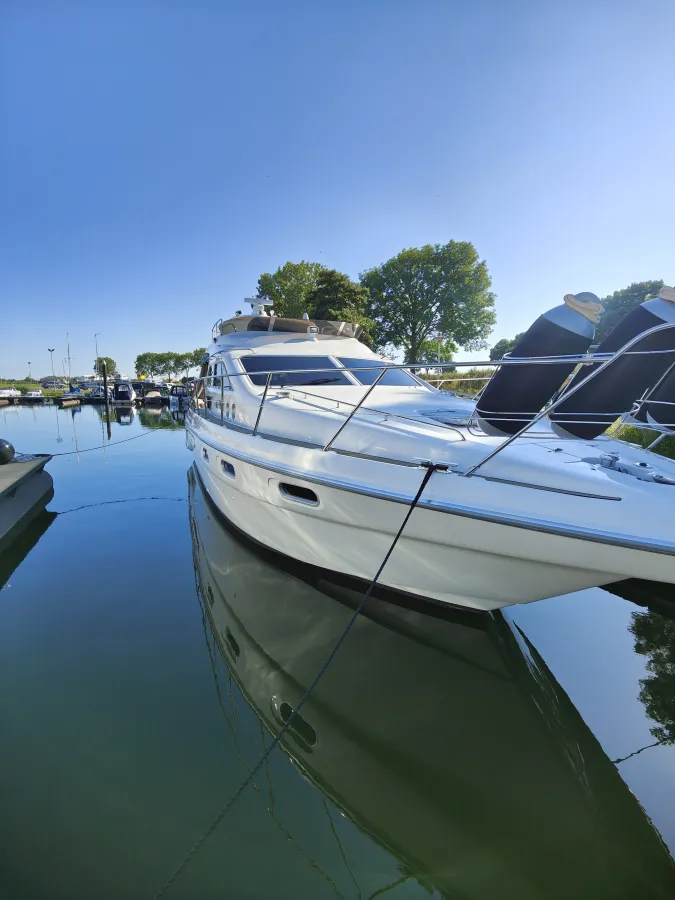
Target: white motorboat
pixel 34 397
pixel 314 446
pixel 9 393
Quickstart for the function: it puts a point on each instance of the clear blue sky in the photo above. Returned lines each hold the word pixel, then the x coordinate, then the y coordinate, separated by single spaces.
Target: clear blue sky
pixel 156 157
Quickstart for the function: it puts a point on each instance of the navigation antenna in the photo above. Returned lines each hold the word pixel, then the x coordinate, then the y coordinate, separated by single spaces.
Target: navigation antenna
pixel 258 305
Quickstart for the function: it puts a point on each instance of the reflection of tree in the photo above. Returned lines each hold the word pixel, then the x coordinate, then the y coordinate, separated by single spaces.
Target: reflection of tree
pixel 655 638
pixel 155 417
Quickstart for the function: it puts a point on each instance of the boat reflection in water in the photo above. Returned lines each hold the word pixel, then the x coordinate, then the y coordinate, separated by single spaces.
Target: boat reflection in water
pixel 14 554
pixel 442 735
pixel 124 415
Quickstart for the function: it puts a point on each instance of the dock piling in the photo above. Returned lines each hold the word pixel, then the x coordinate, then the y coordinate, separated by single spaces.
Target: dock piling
pixel 104 370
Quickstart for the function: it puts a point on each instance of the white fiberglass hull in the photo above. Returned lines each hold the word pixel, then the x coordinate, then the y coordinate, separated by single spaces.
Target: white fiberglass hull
pixel 456 558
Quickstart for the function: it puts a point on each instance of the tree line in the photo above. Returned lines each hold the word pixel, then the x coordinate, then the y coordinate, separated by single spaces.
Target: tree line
pixel 168 365
pixel 425 301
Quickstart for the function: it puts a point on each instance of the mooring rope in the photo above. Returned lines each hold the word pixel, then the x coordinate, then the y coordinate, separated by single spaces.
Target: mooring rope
pixel 115 443
pixel 63 512
pixel 430 469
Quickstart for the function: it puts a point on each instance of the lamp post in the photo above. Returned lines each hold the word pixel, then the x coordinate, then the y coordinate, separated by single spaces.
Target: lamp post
pixel 51 351
pixel 96 357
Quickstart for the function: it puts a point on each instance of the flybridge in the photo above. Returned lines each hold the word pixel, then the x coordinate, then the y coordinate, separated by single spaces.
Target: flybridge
pixel 260 320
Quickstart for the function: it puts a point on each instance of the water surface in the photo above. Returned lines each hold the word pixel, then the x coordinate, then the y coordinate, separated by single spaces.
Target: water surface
pixel 148 656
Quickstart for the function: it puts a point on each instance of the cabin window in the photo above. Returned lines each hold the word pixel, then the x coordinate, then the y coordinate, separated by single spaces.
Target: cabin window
pixel 219 376
pixel 286 374
pixel 395 378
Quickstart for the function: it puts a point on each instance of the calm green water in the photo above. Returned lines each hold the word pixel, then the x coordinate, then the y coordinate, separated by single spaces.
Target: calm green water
pixel 147 657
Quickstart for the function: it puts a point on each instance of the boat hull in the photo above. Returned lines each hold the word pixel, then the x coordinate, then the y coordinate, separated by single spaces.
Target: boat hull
pixel 451 559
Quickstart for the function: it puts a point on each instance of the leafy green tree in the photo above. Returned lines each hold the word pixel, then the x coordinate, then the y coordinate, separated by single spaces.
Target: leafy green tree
pixel 196 357
pixel 336 297
pixel 440 289
pixel 621 302
pixel 504 346
pixel 147 365
pixel 435 350
pixel 177 363
pixel 110 365
pixel 287 288
pixel 169 364
pixel 655 638
pixel 166 364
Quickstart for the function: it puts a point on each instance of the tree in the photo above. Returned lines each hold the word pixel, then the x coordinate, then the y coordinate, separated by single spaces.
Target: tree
pixel 336 297
pixel 196 357
pixel 504 346
pixel 621 302
pixel 440 289
pixel 288 287
pixel 147 365
pixel 167 365
pixel 110 365
pixel 435 350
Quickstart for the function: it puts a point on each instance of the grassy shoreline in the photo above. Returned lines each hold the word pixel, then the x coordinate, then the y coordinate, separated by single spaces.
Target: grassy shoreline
pixel 25 386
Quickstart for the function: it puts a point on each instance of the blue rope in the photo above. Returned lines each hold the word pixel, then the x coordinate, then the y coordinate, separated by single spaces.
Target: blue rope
pixel 430 469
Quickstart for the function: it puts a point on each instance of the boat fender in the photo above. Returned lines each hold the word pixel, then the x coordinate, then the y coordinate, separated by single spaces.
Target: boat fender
pixel 516 393
pixel 595 406
pixel 659 408
pixel 6 452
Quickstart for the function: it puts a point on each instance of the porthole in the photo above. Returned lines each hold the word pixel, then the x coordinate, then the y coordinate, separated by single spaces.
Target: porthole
pixel 299 494
pixel 205 453
pixel 227 468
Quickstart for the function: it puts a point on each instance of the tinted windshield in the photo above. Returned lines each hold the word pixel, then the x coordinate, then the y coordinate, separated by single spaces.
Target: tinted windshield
pixel 287 366
pixel 395 377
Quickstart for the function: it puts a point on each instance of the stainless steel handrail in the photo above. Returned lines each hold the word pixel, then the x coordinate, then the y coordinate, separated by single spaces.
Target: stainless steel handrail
pixel 563 397
pixel 262 403
pixel 358 405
